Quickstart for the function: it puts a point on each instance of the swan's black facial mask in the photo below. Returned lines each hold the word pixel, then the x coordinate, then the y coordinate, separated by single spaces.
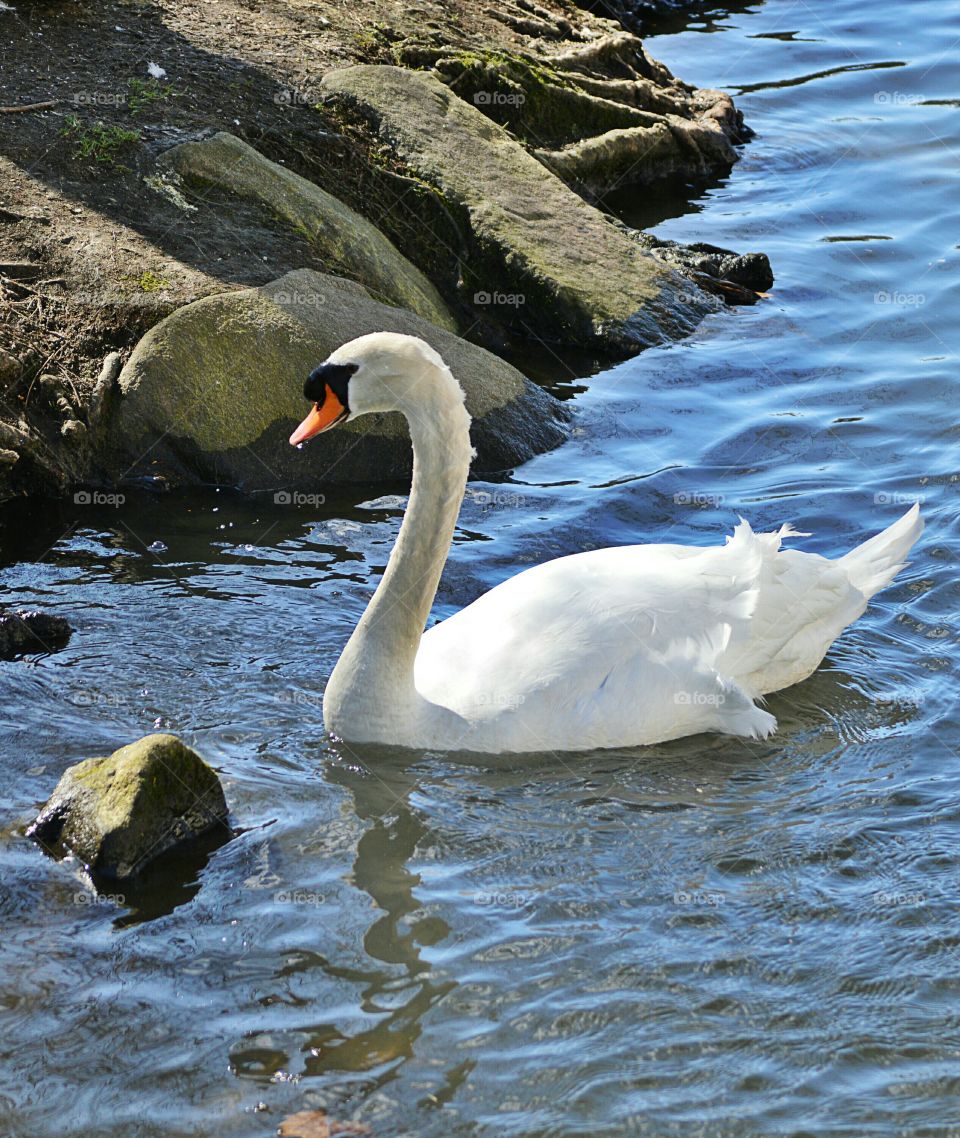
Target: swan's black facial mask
pixel 334 376
pixel 328 388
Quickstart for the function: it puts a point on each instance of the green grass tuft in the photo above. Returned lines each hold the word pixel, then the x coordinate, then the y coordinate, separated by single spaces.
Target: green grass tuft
pixel 143 92
pixel 97 143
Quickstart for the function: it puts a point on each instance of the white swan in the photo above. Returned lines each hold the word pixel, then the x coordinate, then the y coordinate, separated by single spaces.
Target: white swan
pixel 609 648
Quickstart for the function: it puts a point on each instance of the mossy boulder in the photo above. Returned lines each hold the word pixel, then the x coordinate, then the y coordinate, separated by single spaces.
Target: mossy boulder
pixel 119 813
pixel 347 242
pixel 553 266
pixel 212 393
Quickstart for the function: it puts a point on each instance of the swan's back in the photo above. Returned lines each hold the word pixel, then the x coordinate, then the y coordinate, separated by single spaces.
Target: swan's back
pixel 639 644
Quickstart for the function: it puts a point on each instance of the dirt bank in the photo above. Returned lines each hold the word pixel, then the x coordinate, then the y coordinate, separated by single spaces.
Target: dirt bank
pixel 94 245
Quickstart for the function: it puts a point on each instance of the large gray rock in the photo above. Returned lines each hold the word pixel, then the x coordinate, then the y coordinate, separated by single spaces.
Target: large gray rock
pixel 117 814
pixel 349 243
pixel 582 281
pixel 213 392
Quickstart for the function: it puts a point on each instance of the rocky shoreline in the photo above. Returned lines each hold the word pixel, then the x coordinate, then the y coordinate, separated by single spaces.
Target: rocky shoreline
pixel 177 249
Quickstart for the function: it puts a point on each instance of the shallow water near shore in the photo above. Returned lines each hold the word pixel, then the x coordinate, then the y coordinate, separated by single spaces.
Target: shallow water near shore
pixel 709 937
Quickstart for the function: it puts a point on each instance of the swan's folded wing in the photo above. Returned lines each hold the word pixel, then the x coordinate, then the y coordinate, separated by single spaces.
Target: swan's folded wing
pixel 614 635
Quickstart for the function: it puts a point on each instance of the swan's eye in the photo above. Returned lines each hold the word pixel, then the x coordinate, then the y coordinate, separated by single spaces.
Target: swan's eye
pixel 334 376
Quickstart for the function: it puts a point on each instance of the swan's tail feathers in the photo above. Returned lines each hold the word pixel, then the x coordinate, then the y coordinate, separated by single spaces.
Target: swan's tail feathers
pixel 873 565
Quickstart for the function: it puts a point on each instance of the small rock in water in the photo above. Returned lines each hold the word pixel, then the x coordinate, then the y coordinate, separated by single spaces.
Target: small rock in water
pixel 156 547
pixel 117 814
pixel 22 632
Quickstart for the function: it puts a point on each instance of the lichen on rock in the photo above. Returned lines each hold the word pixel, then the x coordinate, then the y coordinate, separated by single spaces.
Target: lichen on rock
pixel 119 813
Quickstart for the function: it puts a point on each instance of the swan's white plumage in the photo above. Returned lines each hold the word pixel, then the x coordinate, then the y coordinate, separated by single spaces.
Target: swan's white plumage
pixel 642 643
pixel 614 647
pixel 596 650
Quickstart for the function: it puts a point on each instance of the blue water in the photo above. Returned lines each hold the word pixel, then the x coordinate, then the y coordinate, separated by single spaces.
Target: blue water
pixel 713 937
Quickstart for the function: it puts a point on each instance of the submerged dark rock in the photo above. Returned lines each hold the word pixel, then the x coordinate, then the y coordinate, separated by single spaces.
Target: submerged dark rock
pixel 642 15
pixel 751 270
pixel 31 631
pixel 739 278
pixel 120 813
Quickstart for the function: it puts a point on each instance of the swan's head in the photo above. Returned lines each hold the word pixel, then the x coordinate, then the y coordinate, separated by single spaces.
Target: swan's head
pixel 383 371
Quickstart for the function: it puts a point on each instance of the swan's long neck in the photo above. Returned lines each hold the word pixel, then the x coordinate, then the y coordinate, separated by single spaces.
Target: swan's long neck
pixel 370 694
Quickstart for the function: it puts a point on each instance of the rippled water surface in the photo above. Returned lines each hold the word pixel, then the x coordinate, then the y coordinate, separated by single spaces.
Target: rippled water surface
pixel 707 938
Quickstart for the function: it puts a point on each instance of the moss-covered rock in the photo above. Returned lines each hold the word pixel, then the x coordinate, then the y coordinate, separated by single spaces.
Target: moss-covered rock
pixel 600 116
pixel 559 269
pixel 347 242
pixel 213 392
pixel 119 813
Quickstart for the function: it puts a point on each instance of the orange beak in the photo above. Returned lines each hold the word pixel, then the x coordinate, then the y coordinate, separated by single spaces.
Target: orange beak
pixel 322 417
